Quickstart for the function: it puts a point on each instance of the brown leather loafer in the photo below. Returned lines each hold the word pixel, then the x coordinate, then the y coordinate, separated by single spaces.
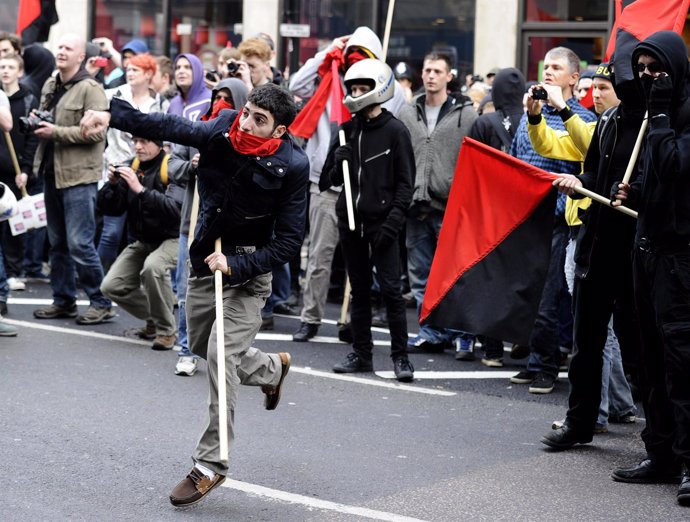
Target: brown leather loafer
pixel 273 392
pixel 193 488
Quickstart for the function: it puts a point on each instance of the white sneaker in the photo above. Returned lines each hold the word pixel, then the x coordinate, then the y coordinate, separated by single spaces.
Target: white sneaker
pixel 186 365
pixel 16 284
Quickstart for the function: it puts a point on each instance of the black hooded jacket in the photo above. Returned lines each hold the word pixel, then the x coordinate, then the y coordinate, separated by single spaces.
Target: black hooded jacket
pixel 662 189
pixel 21 103
pixel 507 92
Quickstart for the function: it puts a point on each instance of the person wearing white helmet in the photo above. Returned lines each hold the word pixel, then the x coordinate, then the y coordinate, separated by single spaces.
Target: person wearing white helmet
pixel 381 166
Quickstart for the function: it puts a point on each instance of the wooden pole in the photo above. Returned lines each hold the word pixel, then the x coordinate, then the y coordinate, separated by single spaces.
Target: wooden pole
pixel 604 201
pixel 387 30
pixel 636 149
pixel 348 187
pixel 220 363
pixel 13 155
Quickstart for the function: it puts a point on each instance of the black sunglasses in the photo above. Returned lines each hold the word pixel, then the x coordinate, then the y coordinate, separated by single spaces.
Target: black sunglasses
pixel 654 67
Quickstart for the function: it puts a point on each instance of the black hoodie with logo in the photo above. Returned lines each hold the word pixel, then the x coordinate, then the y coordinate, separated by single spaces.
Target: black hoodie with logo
pixel 662 190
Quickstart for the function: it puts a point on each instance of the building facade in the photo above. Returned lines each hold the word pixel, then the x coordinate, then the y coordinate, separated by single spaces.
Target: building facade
pixel 478 34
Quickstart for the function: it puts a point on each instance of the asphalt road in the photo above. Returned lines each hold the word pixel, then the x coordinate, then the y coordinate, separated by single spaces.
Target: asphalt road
pixel 96 426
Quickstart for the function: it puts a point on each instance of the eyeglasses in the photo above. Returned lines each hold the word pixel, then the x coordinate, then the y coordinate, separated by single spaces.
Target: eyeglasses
pixel 654 67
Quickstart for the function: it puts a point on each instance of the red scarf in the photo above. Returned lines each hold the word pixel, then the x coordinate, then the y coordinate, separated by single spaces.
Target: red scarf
pixel 330 87
pixel 249 144
pixel 218 105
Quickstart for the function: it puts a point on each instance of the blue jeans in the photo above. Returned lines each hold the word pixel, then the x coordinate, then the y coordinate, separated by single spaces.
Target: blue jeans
pixel 280 289
pixel 181 276
pixel 545 355
pixel 616 398
pixel 422 237
pixel 71 229
pixel 111 237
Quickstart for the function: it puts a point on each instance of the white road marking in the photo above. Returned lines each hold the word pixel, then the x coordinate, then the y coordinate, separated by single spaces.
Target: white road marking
pixel 309 502
pixel 36 301
pixel 371 382
pixel 73 331
pixel 460 375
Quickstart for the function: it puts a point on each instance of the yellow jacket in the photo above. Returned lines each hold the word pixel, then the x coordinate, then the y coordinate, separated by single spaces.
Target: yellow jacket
pixel 570 145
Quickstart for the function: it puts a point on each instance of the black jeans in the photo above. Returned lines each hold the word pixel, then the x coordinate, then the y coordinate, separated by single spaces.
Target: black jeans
pixel 360 257
pixel 662 296
pixel 609 281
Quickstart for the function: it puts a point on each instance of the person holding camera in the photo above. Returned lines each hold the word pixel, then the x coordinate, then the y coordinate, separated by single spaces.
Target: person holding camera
pixel 137 280
pixel 71 166
pixel 254 68
pixel 561 71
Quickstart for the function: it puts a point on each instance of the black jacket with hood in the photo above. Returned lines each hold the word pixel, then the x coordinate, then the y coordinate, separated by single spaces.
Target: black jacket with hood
pixel 662 190
pixel 21 103
pixel 381 173
pixel 497 129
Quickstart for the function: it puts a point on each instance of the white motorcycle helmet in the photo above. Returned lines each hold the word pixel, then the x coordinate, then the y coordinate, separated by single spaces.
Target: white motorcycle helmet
pixel 374 73
pixel 8 203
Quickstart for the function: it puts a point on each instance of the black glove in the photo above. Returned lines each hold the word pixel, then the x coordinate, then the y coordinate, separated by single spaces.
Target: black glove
pixel 343 153
pixel 660 95
pixel 614 191
pixel 386 236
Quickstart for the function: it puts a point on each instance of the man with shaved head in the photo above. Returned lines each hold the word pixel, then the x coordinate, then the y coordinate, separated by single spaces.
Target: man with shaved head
pixel 71 165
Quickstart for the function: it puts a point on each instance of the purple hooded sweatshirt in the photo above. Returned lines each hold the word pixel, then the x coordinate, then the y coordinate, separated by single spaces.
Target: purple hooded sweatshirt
pixel 198 98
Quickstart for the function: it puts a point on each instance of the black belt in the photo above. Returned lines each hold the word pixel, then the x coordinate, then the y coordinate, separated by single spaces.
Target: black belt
pixel 648 246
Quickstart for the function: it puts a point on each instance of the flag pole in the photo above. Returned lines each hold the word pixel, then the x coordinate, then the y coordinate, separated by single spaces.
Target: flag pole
pixel 348 187
pixel 604 201
pixel 220 363
pixel 636 150
pixel 387 30
pixel 15 163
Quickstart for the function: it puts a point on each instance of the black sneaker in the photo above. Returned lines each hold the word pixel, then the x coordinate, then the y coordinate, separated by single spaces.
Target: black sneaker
pixel 403 369
pixel 54 311
pixel 285 309
pixel 524 377
pixel 353 364
pixel 542 383
pixel 306 331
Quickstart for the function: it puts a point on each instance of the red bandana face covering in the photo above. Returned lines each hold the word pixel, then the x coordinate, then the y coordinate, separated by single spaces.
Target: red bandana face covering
pixel 219 105
pixel 249 144
pixel 354 57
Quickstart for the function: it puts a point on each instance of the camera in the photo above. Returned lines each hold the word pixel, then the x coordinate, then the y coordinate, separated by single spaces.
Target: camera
pixel 233 67
pixel 212 75
pixel 116 172
pixel 539 93
pixel 28 124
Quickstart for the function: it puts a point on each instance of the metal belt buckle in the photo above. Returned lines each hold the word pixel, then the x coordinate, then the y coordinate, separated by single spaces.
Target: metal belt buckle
pixel 245 250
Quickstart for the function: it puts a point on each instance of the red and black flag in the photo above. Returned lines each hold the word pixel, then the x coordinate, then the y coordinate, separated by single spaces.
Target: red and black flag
pixel 34 19
pixel 494 247
pixel 635 21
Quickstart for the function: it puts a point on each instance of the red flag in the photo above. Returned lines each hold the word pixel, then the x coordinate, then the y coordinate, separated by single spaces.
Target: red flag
pixel 34 19
pixel 494 247
pixel 329 88
pixel 636 22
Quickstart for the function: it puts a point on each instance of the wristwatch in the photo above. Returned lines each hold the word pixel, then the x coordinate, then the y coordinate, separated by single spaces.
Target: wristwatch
pixel 141 192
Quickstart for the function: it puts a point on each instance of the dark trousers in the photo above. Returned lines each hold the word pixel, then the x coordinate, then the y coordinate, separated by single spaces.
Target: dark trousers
pixel 13 249
pixel 662 296
pixel 609 281
pixel 360 256
pixel 545 355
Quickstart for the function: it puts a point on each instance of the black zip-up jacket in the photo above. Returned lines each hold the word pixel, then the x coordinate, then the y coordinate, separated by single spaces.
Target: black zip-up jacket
pixel 245 201
pixel 152 217
pixel 663 186
pixel 381 172
pixel 613 140
pixel 21 103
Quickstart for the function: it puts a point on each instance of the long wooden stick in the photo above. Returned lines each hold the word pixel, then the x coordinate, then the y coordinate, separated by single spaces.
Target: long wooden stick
pixel 346 301
pixel 348 187
pixel 15 163
pixel 220 356
pixel 636 149
pixel 604 201
pixel 387 31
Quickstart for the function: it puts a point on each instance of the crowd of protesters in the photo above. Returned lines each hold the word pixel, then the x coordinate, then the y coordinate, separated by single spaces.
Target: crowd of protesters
pixel 128 223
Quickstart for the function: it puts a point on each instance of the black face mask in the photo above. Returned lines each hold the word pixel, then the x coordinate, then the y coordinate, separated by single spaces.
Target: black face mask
pixel 646 80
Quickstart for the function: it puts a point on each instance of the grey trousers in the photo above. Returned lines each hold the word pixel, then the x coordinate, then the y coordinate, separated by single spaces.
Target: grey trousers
pixel 243 364
pixel 323 238
pixel 138 282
